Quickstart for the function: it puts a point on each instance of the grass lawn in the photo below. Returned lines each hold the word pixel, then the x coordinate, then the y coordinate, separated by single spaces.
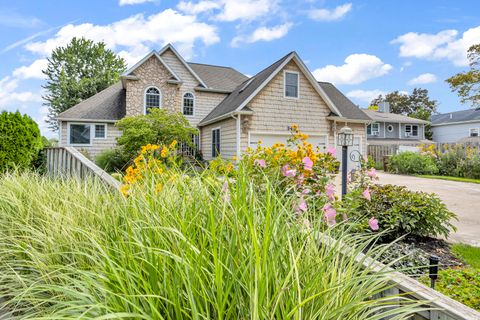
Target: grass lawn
pixel 448 178
pixel 469 254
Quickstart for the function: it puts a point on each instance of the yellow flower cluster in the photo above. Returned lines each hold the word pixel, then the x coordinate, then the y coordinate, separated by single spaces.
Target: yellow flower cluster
pixel 152 160
pixel 298 148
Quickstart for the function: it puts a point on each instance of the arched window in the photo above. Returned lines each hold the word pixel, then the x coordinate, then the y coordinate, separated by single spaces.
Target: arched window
pixel 188 104
pixel 153 98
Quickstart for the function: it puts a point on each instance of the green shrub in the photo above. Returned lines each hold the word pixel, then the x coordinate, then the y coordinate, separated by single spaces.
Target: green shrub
pixel 20 141
pixel 112 160
pixel 462 285
pixel 401 212
pixel 193 249
pixel 412 163
pixel 159 126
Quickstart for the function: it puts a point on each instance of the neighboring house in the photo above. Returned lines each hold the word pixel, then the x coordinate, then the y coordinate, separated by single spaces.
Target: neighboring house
pixel 392 128
pixel 454 126
pixel 230 110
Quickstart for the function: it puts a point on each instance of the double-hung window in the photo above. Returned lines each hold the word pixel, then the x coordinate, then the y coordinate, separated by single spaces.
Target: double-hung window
pixel 373 129
pixel 411 130
pixel 291 84
pixel 215 142
pixel 100 131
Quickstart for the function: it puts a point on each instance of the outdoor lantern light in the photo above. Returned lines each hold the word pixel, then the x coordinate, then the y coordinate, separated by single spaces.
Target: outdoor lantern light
pixel 345 139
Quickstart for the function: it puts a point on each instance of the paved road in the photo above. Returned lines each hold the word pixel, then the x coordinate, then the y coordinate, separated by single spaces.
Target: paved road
pixel 460 197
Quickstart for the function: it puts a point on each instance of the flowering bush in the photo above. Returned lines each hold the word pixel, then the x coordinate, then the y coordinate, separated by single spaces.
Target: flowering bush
pixel 152 160
pixel 412 163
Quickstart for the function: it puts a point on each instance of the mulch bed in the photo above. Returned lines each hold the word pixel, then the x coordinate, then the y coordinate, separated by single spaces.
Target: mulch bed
pixel 439 248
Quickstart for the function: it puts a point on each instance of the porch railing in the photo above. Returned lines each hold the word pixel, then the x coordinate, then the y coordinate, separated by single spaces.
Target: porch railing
pixel 69 162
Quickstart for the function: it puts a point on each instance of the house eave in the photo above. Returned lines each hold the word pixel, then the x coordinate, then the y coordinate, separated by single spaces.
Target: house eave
pixel 225 116
pixel 211 90
pixel 87 120
pixel 343 119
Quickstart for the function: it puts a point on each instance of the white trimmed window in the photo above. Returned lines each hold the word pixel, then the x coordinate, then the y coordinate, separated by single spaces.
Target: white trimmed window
pixel 191 150
pixel 411 130
pixel 291 84
pixel 373 129
pixel 153 98
pixel 473 132
pixel 79 134
pixel 215 142
pixel 100 131
pixel 390 128
pixel 188 104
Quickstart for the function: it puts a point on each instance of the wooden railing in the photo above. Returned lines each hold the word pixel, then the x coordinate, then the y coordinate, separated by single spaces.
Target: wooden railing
pixel 69 162
pixel 439 306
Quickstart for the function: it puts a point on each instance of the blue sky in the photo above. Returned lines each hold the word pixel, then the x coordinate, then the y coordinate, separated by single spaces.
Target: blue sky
pixel 364 47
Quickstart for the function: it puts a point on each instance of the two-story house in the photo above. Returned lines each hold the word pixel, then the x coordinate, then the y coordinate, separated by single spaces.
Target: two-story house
pixel 392 128
pixel 230 110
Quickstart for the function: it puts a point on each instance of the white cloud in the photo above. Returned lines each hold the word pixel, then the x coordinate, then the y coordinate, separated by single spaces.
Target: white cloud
pixel 199 7
pixel 357 69
pixel 264 34
pixel 130 2
pixel 13 100
pixel 443 45
pixel 230 10
pixel 135 33
pixel 246 10
pixel 33 71
pixel 365 95
pixel 330 15
pixel 423 79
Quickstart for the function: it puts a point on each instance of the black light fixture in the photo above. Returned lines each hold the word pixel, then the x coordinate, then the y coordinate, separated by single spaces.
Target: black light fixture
pixel 433 270
pixel 345 139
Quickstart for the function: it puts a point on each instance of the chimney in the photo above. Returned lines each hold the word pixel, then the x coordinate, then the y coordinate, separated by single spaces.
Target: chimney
pixel 384 107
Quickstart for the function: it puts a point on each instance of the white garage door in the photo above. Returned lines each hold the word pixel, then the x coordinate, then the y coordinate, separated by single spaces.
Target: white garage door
pixel 269 140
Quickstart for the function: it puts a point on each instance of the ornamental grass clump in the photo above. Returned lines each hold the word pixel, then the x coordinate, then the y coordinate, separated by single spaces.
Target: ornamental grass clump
pixel 200 247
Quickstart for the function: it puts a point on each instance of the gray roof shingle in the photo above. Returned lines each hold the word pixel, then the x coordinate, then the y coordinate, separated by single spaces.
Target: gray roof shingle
pixel 391 117
pixel 108 104
pixel 242 92
pixel 218 77
pixel 457 116
pixel 346 107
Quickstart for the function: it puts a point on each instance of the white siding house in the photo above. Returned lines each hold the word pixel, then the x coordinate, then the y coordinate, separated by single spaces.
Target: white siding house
pixel 454 126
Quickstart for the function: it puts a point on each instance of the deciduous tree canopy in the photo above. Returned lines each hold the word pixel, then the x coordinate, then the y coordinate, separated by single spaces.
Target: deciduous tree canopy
pixel 76 72
pixel 467 84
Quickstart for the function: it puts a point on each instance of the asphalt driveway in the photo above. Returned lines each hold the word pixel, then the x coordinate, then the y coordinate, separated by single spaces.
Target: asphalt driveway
pixel 460 197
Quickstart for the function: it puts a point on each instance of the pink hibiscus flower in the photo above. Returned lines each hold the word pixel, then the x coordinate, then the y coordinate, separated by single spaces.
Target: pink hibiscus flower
pixel 366 194
pixel 307 163
pixel 330 214
pixel 373 223
pixel 332 151
pixel 301 207
pixel 287 172
pixel 372 173
pixel 330 191
pixel 260 163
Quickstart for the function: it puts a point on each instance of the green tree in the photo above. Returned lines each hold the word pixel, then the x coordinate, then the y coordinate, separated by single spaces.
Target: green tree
pixel 467 84
pixel 76 72
pixel 20 140
pixel 416 105
pixel 159 126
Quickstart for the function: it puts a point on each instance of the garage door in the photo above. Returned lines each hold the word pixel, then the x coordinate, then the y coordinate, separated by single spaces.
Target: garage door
pixel 269 140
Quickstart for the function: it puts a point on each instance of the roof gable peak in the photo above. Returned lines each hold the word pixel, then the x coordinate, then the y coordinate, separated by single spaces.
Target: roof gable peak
pixel 152 53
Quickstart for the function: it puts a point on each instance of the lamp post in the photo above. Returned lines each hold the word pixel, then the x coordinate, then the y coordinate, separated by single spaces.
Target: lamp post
pixel 345 139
